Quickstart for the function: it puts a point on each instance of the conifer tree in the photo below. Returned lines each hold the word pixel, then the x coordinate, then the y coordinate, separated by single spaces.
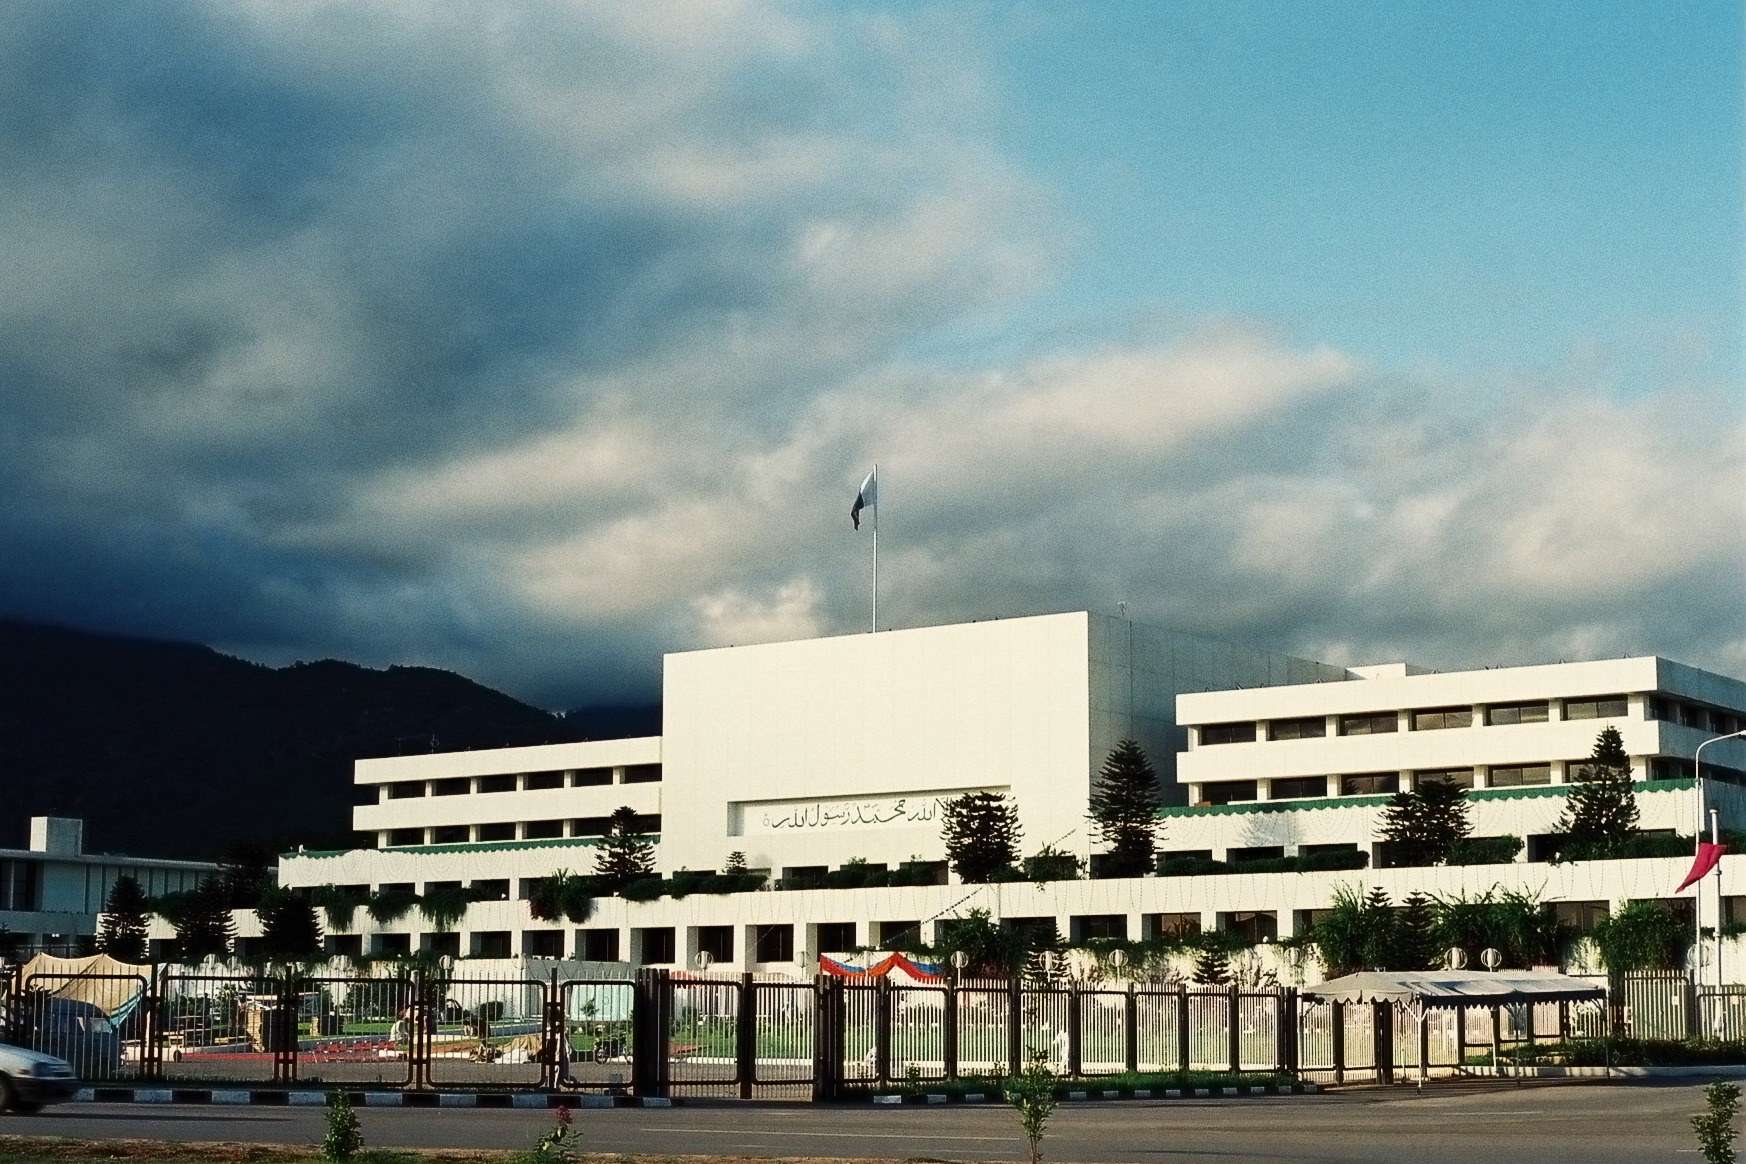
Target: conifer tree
pixel 981 832
pixel 1212 966
pixel 1422 826
pixel 1415 938
pixel 289 927
pixel 1600 811
pixel 205 926
pixel 1124 805
pixel 122 934
pixel 624 854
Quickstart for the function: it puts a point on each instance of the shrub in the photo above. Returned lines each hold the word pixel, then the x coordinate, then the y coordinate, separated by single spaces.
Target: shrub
pixel 1032 1094
pixel 1715 1124
pixel 390 905
pixel 1485 850
pixel 344 1137
pixel 1642 935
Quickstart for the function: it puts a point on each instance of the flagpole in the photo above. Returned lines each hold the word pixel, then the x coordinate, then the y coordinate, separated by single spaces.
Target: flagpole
pixel 875 547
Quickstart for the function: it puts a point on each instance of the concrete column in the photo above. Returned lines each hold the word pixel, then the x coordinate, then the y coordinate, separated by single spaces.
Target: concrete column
pixel 1333 786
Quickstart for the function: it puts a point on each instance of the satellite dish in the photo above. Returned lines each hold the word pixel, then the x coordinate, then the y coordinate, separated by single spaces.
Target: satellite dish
pixel 704 960
pixel 1118 958
pixel 960 959
pixel 1490 958
pixel 1047 961
pixel 1456 957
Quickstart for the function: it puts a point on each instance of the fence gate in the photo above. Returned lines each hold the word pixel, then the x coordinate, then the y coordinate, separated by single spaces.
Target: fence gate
pixel 598 1034
pixel 98 1023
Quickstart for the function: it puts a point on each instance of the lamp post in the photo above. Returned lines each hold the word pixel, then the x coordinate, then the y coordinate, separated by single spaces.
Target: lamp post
pixel 1697 772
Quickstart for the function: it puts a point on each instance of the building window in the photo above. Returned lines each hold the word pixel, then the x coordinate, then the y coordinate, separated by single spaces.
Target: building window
pixel 1251 925
pixel 1436 718
pixel 1297 788
pixel 397 887
pixel 496 784
pixel 717 942
pixel 1370 724
pixel 1656 708
pixel 542 830
pixel 775 943
pixel 1721 723
pixel 20 886
pixel 1581 916
pixel 1370 784
pixel 406 790
pixel 542 943
pixel 497 890
pixel 1516 775
pixel 400 838
pixel 392 945
pixel 1505 714
pixel 1035 932
pixel 1109 927
pixel 344 946
pixel 459 786
pixel 537 780
pixel 1691 716
pixel 803 877
pixel 642 773
pixel 589 777
pixel 500 831
pixel 1311 728
pixel 491 944
pixel 449 835
pixel 1227 792
pixel 895 934
pixel 1169 925
pixel 1459 777
pixel 1255 853
pixel 836 937
pixel 656 943
pixel 597 945
pixel 1669 768
pixel 1600 707
pixel 1330 847
pixel 590 826
pixel 442 945
pixel 1228 733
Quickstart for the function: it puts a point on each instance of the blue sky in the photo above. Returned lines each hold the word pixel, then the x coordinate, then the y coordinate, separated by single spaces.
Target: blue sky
pixel 534 341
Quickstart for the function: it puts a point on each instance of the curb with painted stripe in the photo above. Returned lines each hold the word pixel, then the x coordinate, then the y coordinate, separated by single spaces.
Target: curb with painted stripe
pixel 1089 1094
pixel 279 1097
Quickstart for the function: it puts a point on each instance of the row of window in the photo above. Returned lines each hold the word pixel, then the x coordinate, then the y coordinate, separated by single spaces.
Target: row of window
pixel 529 830
pixel 524 781
pixel 1378 783
pixel 1427 719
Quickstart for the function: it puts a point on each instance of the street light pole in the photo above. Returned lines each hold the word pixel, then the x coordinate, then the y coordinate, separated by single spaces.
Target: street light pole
pixel 1697 772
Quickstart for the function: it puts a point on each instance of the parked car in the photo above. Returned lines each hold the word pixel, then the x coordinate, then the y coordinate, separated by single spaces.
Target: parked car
pixel 29 1079
pixel 73 1032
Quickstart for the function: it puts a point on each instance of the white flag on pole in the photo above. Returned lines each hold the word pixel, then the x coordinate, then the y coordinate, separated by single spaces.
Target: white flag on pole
pixel 867 498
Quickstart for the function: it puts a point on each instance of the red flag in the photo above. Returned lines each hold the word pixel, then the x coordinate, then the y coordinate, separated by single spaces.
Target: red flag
pixel 1707 856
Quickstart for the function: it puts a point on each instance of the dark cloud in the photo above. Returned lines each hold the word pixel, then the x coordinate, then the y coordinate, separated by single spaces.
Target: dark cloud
pixel 534 341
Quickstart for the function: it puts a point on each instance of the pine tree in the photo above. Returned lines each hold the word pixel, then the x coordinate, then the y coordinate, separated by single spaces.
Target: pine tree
pixel 1421 826
pixel 624 854
pixel 122 934
pixel 981 832
pixel 1600 811
pixel 1212 966
pixel 289 927
pixel 1415 938
pixel 205 926
pixel 1124 805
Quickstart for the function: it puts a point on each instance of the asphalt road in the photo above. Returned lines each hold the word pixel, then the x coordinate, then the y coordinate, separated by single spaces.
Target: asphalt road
pixel 1488 1123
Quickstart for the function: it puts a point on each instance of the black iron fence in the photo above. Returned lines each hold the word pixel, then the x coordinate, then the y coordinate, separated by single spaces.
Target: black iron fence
pixel 664 1033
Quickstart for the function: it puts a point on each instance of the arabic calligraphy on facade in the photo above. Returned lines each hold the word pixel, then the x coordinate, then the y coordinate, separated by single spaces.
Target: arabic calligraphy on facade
pixel 829 814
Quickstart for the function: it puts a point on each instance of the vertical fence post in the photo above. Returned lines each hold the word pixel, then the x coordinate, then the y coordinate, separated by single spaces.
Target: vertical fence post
pixel 1563 1020
pixel 1014 1019
pixel 827 1038
pixel 882 1031
pixel 1460 1039
pixel 1496 1040
pixel 417 1035
pixel 1075 1026
pixel 1234 1015
pixel 1689 989
pixel 949 1029
pixel 281 1028
pixel 1337 1028
pixel 1382 1026
pixel 151 1038
pixel 555 1042
pixel 746 1036
pixel 1131 1029
pixel 1182 1019
pixel 651 1007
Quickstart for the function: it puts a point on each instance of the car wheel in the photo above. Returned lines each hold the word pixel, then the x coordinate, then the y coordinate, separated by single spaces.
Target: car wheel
pixel 8 1095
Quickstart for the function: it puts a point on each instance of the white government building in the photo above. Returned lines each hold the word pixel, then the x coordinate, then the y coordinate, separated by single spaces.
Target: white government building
pixel 803 756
